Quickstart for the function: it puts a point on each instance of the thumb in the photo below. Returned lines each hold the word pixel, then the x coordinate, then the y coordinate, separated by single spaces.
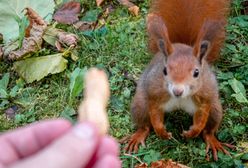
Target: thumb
pixel 75 149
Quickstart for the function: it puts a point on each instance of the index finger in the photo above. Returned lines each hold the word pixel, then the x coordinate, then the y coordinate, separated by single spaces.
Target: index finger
pixel 23 142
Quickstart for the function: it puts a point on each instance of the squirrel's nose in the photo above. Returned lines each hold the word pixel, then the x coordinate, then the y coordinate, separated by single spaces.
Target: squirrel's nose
pixel 178 92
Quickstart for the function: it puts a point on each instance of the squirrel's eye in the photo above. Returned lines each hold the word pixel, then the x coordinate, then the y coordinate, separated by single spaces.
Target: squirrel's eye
pixel 196 73
pixel 165 71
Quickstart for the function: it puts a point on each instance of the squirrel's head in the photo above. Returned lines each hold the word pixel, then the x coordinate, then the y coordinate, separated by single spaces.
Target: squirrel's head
pixel 183 64
pixel 183 68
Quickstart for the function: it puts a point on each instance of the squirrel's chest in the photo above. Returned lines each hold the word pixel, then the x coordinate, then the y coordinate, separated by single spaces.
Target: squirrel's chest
pixel 186 104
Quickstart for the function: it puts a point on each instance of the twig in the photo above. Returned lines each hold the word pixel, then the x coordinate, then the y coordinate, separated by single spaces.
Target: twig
pixel 135 157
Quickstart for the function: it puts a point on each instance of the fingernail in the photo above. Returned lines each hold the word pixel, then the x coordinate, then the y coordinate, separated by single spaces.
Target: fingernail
pixel 84 131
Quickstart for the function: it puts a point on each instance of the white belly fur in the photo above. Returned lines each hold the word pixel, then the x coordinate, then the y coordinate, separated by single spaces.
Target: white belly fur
pixel 185 104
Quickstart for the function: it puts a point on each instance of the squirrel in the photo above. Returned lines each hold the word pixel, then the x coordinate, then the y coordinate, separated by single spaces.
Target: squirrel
pixel 186 38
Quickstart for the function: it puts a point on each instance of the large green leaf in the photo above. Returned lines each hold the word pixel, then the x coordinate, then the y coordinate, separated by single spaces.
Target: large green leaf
pixel 239 89
pixel 36 68
pixel 11 11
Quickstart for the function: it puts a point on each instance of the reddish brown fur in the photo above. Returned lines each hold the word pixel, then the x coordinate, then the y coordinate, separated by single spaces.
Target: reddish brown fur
pixel 184 20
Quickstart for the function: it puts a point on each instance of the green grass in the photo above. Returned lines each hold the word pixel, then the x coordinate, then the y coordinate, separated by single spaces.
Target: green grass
pixel 121 48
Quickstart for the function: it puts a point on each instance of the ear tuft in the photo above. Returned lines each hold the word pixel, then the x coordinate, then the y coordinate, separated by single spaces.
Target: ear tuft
pixel 204 47
pixel 212 32
pixel 162 47
pixel 158 34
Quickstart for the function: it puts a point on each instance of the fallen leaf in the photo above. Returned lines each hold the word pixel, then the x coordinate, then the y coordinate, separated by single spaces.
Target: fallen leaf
pixel 33 37
pixel 89 21
pixel 11 12
pixel 167 164
pixel 34 19
pixel 59 38
pixel 68 13
pixel 50 35
pixel 68 39
pixel 142 165
pixel 99 2
pixel 36 68
pixel 84 26
pixel 92 20
pixel 9 47
pixel 131 7
pixel 162 164
pixel 58 46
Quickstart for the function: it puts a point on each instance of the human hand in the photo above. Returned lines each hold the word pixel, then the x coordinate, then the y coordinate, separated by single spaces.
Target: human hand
pixel 56 144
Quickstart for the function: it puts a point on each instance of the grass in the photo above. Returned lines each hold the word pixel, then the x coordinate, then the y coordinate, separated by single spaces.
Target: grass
pixel 121 49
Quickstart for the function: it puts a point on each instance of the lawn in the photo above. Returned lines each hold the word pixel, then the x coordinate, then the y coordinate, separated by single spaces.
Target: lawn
pixel 120 48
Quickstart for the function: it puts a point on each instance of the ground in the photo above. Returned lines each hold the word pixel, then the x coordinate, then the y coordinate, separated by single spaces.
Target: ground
pixel 121 49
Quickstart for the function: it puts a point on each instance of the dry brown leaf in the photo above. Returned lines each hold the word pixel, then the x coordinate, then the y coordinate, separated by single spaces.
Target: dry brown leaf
pixel 96 95
pixel 33 18
pixel 92 25
pixel 33 36
pixel 9 47
pixel 131 7
pixel 167 164
pixel 68 39
pixel 162 164
pixel 68 13
pixel 59 38
pixel 142 165
pixel 83 26
pixel 58 46
pixel 99 2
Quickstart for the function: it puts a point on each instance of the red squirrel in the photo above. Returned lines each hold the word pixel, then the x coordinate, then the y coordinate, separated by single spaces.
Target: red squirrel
pixel 185 37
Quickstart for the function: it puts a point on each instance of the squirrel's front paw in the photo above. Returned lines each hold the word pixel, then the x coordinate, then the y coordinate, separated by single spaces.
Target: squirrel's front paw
pixel 164 134
pixel 192 133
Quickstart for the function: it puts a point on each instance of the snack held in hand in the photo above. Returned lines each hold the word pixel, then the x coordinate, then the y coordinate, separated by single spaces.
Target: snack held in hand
pixel 96 96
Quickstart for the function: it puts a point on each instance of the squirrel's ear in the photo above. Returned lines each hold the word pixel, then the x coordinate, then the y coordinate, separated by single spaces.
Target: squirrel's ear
pixel 159 34
pixel 201 51
pixel 208 33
